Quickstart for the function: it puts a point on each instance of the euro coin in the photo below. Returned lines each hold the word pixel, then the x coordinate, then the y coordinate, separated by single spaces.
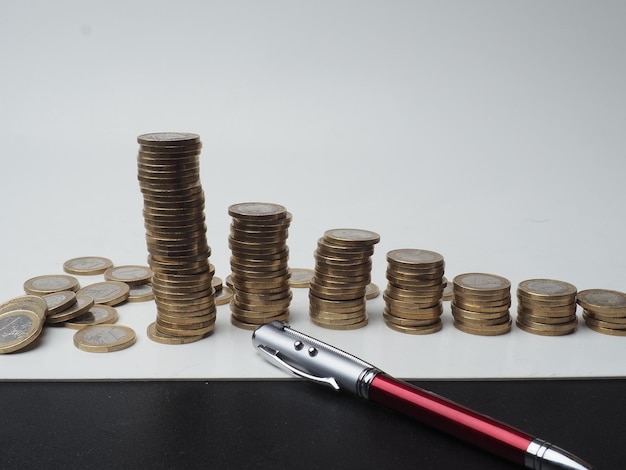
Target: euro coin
pixel 87 265
pixel 96 315
pixel 18 329
pixel 155 335
pixel 301 277
pixel 33 303
pixel 140 293
pixel 603 302
pixel 107 292
pixel 131 275
pixel 372 291
pixel 82 305
pixel 104 338
pixel 50 283
pixel 59 301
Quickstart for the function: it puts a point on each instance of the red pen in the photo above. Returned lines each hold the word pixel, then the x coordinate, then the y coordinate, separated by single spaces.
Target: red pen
pixel 309 358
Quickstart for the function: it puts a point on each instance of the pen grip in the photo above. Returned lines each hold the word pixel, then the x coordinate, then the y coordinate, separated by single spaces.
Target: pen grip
pixel 452 418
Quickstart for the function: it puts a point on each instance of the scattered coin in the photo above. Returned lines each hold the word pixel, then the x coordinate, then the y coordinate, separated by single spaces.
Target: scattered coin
pixel 224 296
pixel 82 305
pixel 107 292
pixel 104 338
pixel 34 303
pixel 50 283
pixel 140 293
pixel 59 301
pixel 96 315
pixel 372 291
pixel 301 277
pixel 18 329
pixel 130 274
pixel 87 265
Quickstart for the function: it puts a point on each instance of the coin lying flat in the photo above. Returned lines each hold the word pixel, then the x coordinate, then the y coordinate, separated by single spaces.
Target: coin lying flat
pixel 34 303
pixel 140 293
pixel 107 292
pixel 604 310
pixel 224 296
pixel 104 338
pixel 87 265
pixel 301 277
pixel 81 305
pixel 18 329
pixel 59 301
pixel 155 335
pixel 50 283
pixel 130 274
pixel 96 315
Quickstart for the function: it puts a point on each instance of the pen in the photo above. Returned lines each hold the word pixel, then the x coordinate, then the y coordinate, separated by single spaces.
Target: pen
pixel 309 358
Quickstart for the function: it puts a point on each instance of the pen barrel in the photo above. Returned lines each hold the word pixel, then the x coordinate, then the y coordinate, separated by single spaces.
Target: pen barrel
pixel 454 419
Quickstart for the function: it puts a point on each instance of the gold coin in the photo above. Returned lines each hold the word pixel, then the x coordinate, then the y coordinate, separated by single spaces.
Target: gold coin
pixel 82 305
pixel 140 293
pixel 495 330
pixel 87 265
pixel 372 291
pixel 351 236
pixel 606 331
pixel 246 325
pixel 546 289
pixel 229 281
pixel 545 330
pixel 548 320
pixel 603 323
pixel 257 211
pixel 613 320
pixel 98 314
pixel 301 277
pixel 481 283
pixel 414 257
pixel 34 303
pixel 107 292
pixel 59 301
pixel 158 337
pixel 390 317
pixel 165 139
pixel 50 283
pixel 104 338
pixel 341 326
pixel 18 329
pixel 415 330
pixel 603 302
pixel 131 275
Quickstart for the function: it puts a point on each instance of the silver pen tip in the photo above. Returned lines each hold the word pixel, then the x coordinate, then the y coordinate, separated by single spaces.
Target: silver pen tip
pixel 542 455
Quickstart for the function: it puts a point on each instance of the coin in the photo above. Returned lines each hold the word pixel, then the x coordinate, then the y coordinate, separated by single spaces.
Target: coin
pixel 96 315
pixel 545 330
pixel 131 275
pixel 87 265
pixel 107 292
pixel 414 330
pixel 157 336
pixel 59 301
pixel 352 236
pixel 257 211
pixel 50 283
pixel 371 291
pixel 604 302
pixel 33 303
pixel 18 329
pixel 547 289
pixel 301 277
pixel 82 305
pixel 140 293
pixel 363 321
pixel 481 283
pixel 104 338
pixel 496 330
pixel 165 139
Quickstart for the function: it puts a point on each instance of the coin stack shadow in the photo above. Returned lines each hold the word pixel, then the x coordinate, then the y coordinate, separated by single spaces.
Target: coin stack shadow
pixel 414 291
pixel 343 269
pixel 169 177
pixel 546 307
pixel 481 304
pixel 259 264
pixel 604 310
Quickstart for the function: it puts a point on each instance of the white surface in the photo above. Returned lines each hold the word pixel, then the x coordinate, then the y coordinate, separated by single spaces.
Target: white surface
pixel 490 132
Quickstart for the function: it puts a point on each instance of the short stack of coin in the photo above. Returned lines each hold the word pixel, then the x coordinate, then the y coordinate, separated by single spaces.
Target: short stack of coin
pixel 546 307
pixel 169 177
pixel 414 290
pixel 481 304
pixel 343 265
pixel 259 263
pixel 604 310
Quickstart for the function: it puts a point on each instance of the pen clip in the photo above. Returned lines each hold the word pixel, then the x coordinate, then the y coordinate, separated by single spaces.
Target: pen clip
pixel 273 356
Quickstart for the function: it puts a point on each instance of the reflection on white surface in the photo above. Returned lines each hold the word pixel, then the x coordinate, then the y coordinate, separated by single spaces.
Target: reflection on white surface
pixel 490 133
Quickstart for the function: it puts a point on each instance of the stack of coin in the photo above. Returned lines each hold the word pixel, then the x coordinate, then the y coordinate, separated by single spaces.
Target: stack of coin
pixel 546 307
pixel 259 263
pixel 169 177
pixel 337 291
pixel 414 290
pixel 481 304
pixel 21 322
pixel 604 310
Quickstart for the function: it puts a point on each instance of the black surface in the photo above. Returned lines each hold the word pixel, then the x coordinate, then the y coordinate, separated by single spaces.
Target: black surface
pixel 289 424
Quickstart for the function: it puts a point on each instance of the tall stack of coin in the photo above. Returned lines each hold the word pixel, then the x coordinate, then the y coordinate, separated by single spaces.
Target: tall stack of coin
pixel 604 310
pixel 414 291
pixel 169 177
pixel 342 273
pixel 481 304
pixel 546 307
pixel 259 263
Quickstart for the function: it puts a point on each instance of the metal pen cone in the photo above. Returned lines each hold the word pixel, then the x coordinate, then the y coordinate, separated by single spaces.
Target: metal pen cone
pixel 542 455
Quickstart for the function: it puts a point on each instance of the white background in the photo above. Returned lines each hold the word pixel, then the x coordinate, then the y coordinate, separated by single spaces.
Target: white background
pixel 490 132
